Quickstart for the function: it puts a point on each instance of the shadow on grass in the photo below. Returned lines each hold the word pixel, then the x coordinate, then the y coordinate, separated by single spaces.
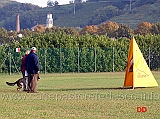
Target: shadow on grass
pixel 74 89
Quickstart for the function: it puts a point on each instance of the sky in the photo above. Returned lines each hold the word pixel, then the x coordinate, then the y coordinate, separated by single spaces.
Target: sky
pixel 43 3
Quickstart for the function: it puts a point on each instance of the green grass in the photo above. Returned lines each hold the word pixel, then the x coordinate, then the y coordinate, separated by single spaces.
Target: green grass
pixel 79 95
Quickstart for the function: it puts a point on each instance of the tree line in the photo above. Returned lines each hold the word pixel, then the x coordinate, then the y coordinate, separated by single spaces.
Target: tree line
pixel 66 50
pixel 109 29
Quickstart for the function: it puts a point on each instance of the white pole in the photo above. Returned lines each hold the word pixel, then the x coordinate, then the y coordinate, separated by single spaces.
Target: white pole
pixel 74 8
pixel 113 59
pixel 60 61
pixel 149 57
pixel 130 4
pixel 95 60
pixel 9 62
pixel 78 59
pixel 45 60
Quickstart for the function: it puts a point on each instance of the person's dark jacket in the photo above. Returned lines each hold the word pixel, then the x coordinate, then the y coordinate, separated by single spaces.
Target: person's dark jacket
pixel 32 63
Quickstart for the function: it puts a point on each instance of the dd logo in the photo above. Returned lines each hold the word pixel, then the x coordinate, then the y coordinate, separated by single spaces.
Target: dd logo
pixel 141 109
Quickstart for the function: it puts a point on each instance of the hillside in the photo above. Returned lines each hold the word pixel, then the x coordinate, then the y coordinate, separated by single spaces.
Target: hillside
pixel 82 14
pixel 146 12
pixel 149 13
pixel 4 2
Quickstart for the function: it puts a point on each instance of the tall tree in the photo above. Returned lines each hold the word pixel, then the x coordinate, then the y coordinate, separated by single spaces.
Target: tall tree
pixel 39 28
pixel 50 3
pixel 3 36
pixel 144 28
pixel 155 28
pixel 89 29
pixel 108 28
pixel 124 31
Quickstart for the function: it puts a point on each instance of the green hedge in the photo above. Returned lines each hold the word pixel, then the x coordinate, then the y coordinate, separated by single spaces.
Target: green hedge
pixel 60 52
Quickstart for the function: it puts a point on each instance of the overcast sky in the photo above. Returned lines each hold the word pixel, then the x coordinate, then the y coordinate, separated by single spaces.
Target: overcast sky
pixel 43 3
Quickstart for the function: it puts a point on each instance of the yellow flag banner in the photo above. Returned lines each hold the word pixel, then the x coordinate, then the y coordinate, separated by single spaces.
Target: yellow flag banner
pixel 138 73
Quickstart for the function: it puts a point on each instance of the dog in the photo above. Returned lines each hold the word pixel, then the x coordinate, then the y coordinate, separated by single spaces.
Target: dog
pixel 19 83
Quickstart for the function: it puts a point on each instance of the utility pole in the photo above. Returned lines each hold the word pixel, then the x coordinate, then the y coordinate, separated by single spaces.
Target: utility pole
pixel 74 8
pixel 130 5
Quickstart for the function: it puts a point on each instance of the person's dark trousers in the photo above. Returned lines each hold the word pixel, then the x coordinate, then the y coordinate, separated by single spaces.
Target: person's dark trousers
pixel 25 82
pixel 32 82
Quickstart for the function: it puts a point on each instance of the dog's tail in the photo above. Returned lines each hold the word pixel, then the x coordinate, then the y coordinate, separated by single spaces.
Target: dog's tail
pixel 11 84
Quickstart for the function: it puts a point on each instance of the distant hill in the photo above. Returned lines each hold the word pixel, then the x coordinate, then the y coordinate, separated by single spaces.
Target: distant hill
pixel 80 14
pixel 4 2
pixel 146 12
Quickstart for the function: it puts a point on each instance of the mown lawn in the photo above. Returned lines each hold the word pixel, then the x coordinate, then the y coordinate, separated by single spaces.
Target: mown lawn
pixel 79 95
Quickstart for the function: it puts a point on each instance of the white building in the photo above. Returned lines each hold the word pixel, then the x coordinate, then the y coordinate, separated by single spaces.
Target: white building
pixel 49 21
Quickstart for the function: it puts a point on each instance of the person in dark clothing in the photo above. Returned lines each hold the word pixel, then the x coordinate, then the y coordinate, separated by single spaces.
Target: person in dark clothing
pixel 23 70
pixel 33 69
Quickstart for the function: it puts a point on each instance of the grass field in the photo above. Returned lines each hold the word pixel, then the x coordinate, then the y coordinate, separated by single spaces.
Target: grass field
pixel 79 95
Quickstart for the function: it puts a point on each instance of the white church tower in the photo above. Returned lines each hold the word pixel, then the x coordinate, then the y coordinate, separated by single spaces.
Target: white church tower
pixel 49 21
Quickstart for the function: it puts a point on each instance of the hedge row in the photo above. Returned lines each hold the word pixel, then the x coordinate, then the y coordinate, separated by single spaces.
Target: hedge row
pixel 65 53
